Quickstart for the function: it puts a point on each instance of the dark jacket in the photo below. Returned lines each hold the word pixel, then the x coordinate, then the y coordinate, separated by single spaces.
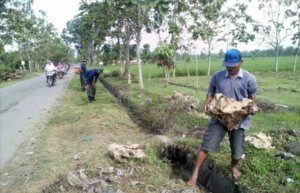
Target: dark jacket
pixel 91 75
pixel 83 69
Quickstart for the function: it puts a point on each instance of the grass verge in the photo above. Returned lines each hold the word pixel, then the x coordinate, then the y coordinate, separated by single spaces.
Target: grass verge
pixel 263 171
pixel 78 127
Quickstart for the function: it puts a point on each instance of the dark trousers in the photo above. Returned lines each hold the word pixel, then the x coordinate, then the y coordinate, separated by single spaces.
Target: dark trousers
pixel 82 83
pixel 91 92
pixel 215 134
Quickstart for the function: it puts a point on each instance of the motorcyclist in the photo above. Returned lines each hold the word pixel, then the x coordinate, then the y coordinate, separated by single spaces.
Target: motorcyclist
pixel 61 70
pixel 60 66
pixel 50 67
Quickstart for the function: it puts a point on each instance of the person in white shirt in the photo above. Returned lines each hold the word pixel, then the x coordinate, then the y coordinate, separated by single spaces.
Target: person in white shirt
pixel 50 67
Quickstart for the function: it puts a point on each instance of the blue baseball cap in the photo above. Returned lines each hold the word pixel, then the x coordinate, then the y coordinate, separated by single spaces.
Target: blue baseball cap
pixel 232 58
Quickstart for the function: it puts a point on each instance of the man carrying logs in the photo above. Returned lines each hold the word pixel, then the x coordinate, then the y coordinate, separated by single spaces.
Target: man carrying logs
pixel 237 85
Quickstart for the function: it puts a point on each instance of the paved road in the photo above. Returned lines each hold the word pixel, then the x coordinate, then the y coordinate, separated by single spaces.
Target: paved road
pixel 21 106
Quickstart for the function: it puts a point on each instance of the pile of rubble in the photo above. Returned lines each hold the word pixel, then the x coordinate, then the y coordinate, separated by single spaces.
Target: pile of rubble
pixel 122 152
pixel 17 74
pixel 230 111
pixel 260 141
pixel 99 184
pixel 104 178
pixel 183 103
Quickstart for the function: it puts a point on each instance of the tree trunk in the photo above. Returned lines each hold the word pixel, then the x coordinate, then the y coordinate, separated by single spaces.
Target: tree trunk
pixel 187 67
pixel 296 55
pixel 121 69
pixel 197 76
pixel 295 62
pixel 30 66
pixel 126 71
pixel 174 65
pixel 209 58
pixel 167 75
pixel 121 62
pixel 174 39
pixel 276 59
pixel 185 64
pixel 150 72
pixel 138 54
pixel 36 66
pixel 127 62
pixel 119 53
pixel 29 62
pixel 92 53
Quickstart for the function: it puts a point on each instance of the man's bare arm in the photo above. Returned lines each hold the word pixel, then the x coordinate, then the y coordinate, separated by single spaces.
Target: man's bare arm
pixel 254 107
pixel 208 100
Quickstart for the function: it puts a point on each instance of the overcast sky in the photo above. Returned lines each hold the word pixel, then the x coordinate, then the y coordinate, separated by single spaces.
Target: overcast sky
pixel 61 11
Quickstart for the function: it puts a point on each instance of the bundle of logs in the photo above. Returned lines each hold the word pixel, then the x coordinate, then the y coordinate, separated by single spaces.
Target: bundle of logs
pixel 17 74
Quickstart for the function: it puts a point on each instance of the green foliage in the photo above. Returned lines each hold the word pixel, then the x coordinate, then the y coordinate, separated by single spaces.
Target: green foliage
pixel 146 53
pixel 164 50
pixel 262 171
pixel 109 53
pixel 35 39
pixel 163 55
pixel 267 173
pixel 96 18
pixel 9 62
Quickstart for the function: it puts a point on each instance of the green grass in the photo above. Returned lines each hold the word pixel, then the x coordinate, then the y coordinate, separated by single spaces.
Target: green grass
pixel 107 122
pixel 260 64
pixel 263 172
pixel 280 88
pixel 157 112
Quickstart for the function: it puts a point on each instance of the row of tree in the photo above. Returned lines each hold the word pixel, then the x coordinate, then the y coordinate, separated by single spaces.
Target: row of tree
pixel 186 21
pixel 32 39
pixel 110 53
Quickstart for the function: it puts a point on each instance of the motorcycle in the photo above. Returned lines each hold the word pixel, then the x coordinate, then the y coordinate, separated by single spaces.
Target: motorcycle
pixel 61 72
pixel 51 77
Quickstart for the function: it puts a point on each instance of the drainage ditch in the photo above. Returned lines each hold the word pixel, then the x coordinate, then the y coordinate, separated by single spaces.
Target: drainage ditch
pixel 132 108
pixel 183 160
pixel 181 156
